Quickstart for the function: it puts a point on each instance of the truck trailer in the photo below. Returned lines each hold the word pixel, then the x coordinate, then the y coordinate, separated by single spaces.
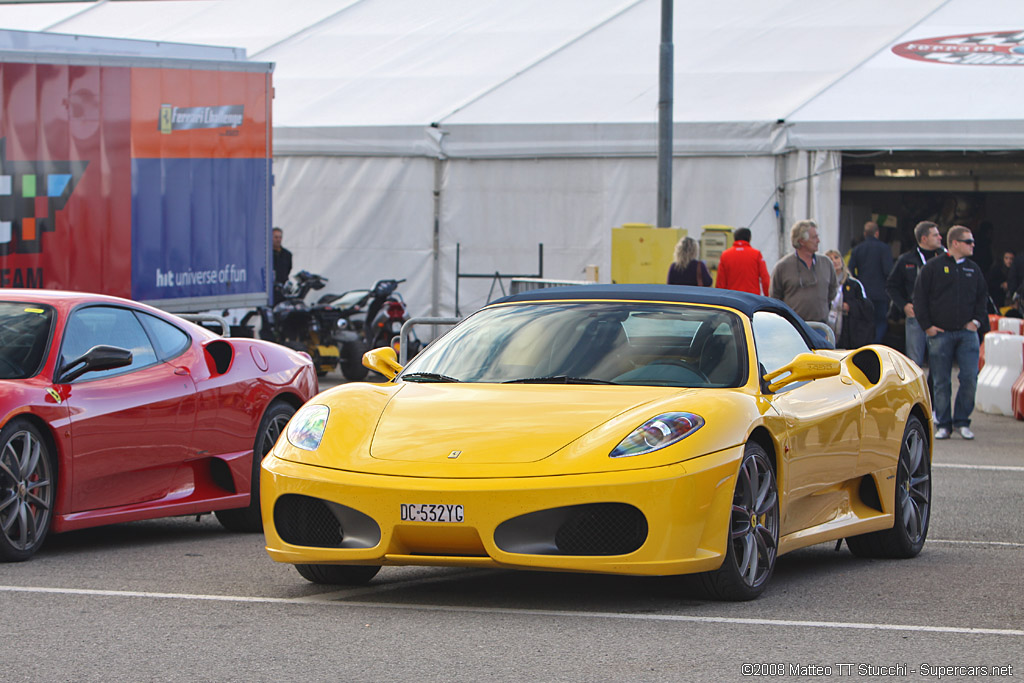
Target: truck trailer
pixel 140 170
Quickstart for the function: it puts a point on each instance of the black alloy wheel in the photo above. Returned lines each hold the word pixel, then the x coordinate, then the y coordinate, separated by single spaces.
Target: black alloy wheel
pixel 912 504
pixel 28 489
pixel 753 531
pixel 250 519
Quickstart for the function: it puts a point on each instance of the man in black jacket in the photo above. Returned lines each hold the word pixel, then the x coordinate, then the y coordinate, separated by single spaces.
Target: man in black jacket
pixel 949 301
pixel 900 285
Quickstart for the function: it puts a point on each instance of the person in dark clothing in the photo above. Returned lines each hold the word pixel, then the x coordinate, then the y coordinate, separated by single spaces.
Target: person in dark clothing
pixel 871 263
pixel 998 281
pixel 900 285
pixel 949 301
pixel 282 262
pixel 856 324
pixel 1015 276
pixel 687 269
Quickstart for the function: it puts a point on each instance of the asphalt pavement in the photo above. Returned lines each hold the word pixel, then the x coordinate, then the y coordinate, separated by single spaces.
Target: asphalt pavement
pixel 181 599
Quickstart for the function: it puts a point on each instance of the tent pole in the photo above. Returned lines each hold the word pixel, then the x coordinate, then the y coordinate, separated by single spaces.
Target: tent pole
pixel 665 119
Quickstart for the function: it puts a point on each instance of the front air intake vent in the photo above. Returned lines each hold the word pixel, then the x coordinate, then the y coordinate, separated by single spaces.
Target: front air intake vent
pixel 308 521
pixel 592 529
pixel 301 520
pixel 606 529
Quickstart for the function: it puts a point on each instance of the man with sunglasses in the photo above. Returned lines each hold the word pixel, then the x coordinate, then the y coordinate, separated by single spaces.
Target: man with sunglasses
pixel 949 301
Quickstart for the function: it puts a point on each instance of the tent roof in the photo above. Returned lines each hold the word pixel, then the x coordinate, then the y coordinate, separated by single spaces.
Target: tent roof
pixel 581 76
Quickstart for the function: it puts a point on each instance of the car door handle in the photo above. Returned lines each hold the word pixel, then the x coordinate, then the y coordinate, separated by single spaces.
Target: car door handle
pixel 182 371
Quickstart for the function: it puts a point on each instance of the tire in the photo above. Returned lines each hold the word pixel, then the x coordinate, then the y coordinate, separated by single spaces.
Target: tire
pixel 28 489
pixel 912 504
pixel 753 532
pixel 352 361
pixel 338 574
pixel 249 519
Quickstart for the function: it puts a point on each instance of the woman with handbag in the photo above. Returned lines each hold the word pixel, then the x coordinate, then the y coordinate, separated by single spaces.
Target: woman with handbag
pixel 687 269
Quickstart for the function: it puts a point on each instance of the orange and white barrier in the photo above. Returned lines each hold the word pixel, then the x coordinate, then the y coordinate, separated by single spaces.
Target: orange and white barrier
pixel 1010 325
pixel 1004 364
pixel 1017 396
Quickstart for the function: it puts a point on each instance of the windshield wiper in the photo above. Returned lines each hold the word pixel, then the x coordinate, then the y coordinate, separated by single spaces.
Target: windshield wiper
pixel 428 377
pixel 559 379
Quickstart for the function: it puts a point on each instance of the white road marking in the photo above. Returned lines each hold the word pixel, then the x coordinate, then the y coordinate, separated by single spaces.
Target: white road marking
pixel 1005 544
pixel 986 468
pixel 966 630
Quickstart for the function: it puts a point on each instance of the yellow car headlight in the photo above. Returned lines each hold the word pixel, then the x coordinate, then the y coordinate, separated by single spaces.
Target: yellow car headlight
pixel 658 432
pixel 306 428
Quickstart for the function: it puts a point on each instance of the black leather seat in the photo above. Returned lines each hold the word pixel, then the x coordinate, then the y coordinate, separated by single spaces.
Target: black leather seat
pixel 719 360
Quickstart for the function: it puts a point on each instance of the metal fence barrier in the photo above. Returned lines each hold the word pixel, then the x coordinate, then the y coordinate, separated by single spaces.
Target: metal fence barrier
pixel 525 284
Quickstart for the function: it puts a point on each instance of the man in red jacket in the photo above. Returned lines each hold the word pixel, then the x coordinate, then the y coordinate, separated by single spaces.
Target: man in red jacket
pixel 741 267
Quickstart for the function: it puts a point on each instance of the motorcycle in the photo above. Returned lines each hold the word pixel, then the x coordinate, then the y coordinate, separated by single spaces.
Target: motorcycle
pixel 370 318
pixel 295 324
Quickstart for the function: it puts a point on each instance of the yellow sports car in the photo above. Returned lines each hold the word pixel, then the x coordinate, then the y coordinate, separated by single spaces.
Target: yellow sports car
pixel 623 429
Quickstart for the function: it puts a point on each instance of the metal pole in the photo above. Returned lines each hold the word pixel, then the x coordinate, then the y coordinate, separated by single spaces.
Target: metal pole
pixel 665 94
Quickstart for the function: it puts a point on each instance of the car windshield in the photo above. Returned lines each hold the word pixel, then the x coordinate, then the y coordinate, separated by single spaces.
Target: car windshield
pixel 626 343
pixel 24 336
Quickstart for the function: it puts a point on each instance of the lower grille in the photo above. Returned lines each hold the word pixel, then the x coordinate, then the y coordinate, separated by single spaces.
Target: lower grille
pixel 603 529
pixel 308 521
pixel 301 520
pixel 592 529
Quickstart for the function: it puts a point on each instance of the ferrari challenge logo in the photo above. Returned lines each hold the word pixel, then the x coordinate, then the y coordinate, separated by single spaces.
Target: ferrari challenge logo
pixel 31 193
pixel 190 118
pixel 972 49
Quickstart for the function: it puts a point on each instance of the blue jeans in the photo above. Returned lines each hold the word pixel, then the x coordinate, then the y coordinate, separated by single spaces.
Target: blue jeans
pixel 881 307
pixel 962 345
pixel 915 340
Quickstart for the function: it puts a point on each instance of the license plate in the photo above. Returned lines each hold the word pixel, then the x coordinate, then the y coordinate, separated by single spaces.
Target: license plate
pixel 430 512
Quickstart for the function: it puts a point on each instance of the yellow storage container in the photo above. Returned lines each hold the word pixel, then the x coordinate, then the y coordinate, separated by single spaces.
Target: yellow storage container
pixel 642 253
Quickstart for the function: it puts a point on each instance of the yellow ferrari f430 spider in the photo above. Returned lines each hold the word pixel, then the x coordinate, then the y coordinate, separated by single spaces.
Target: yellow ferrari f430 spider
pixel 622 429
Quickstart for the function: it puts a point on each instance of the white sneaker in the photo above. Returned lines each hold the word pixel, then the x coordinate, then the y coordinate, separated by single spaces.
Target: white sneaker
pixel 964 432
pixel 941 433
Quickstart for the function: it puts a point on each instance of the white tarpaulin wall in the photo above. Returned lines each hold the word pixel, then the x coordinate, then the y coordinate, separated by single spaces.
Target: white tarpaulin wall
pixel 498 211
pixel 570 205
pixel 380 226
pixel 405 127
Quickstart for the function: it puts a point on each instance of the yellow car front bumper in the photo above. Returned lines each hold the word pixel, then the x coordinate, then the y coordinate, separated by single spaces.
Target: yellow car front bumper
pixel 684 510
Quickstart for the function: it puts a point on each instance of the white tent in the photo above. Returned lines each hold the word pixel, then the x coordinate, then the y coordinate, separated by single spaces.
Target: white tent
pixel 408 129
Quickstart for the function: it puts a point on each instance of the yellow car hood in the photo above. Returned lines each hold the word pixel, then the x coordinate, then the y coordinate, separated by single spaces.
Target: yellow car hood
pixel 494 424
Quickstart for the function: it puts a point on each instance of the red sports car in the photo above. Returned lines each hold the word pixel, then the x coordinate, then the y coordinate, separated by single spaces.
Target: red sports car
pixel 113 411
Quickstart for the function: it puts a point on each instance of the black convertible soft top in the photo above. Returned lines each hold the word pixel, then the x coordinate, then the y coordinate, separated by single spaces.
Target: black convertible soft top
pixel 743 302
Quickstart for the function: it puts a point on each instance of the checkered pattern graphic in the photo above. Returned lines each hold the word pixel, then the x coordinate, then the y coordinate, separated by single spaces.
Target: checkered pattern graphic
pixel 31 192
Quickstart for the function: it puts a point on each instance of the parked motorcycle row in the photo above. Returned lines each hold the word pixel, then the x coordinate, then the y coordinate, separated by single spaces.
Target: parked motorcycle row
pixel 337 329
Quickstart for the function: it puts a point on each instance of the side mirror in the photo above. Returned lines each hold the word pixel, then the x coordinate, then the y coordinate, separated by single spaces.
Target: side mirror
pixel 383 360
pixel 804 367
pixel 100 357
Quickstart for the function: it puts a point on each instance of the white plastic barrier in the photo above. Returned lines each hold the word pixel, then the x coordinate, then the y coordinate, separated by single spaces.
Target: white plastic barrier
pixel 1004 362
pixel 1011 325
